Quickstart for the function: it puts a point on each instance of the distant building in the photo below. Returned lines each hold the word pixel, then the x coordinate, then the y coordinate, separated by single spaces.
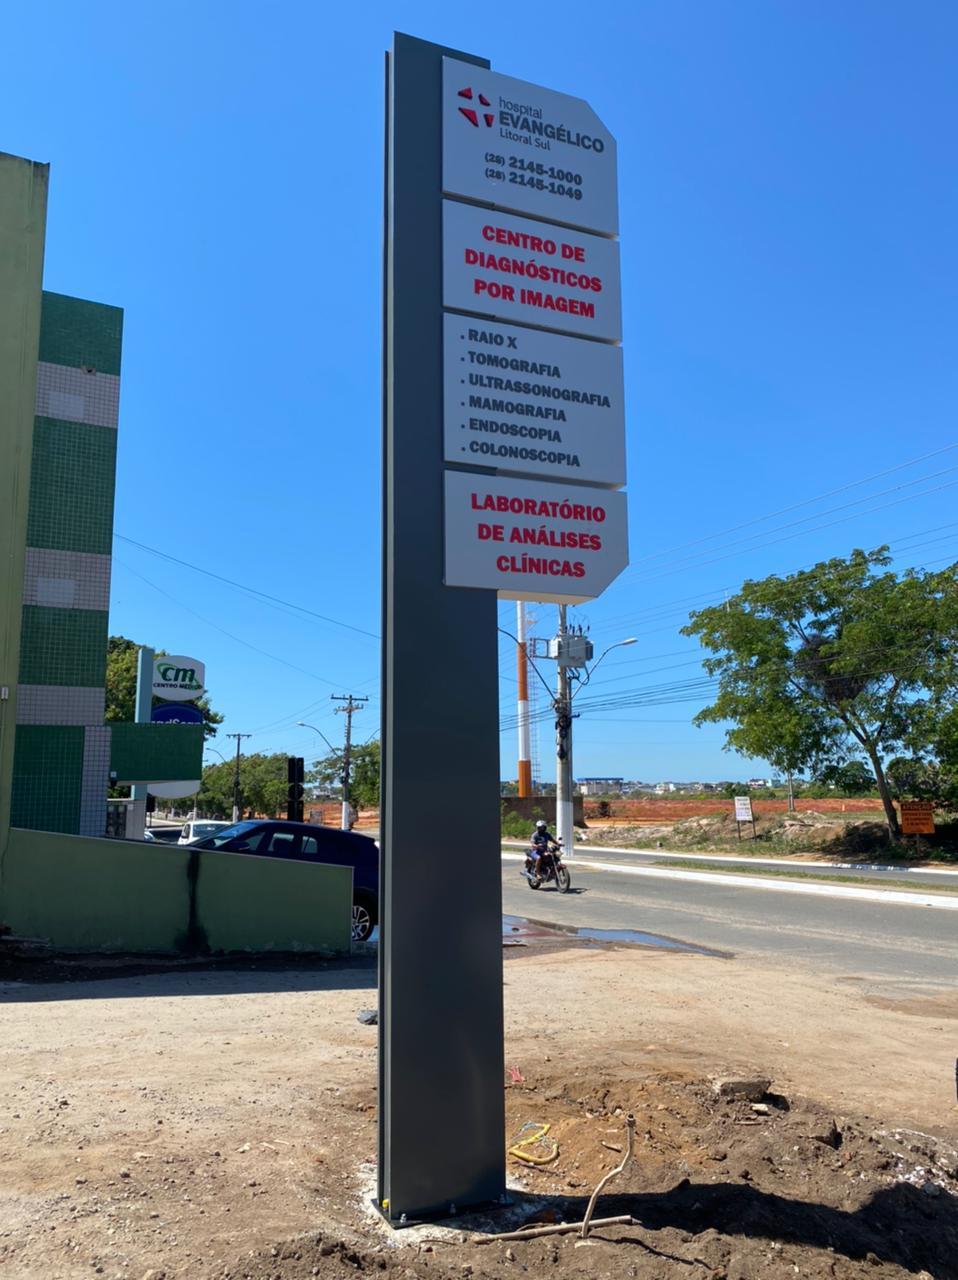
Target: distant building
pixel 599 786
pixel 663 788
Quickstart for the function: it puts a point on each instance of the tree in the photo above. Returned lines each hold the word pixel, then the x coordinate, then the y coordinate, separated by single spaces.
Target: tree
pixel 263 784
pixel 913 779
pixel 854 778
pixel 946 754
pixel 364 766
pixel 121 664
pixel 834 660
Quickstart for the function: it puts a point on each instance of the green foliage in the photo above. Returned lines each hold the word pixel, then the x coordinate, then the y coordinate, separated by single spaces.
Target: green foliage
pixel 833 661
pixel 732 789
pixel 262 787
pixel 121 679
pixel 515 825
pixel 853 778
pixel 121 664
pixel 364 784
pixel 911 778
pixel 364 767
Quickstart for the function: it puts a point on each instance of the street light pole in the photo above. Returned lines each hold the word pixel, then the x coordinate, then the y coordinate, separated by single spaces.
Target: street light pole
pixel 236 773
pixel 206 748
pixel 303 725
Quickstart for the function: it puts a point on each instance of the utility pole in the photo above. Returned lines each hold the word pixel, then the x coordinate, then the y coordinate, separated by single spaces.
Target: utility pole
pixel 352 704
pixel 563 709
pixel 522 673
pixel 236 773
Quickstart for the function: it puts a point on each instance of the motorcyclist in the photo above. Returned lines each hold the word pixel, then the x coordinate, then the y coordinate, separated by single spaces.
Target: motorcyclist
pixel 542 842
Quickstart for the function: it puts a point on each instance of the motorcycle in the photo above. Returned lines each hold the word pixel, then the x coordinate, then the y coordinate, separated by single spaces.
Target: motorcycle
pixel 550 868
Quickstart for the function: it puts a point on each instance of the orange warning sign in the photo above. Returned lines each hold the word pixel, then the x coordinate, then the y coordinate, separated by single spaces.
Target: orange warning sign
pixel 917 818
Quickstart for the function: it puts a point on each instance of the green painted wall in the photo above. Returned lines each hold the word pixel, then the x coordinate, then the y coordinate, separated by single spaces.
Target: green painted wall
pixel 267 904
pixel 23 205
pixel 115 895
pixel 95 895
pixel 156 752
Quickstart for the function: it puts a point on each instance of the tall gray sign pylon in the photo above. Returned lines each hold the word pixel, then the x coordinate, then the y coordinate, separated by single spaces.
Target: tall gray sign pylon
pixel 441 1066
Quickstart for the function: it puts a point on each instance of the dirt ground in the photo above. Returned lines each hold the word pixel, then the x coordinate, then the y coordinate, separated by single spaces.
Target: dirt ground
pixel 221 1123
pixel 807 833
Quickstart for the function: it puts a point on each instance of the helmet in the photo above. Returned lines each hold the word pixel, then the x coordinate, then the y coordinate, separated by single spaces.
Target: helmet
pixel 541 825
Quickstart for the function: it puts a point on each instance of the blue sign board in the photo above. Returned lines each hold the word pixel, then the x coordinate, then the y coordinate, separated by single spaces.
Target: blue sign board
pixel 176 713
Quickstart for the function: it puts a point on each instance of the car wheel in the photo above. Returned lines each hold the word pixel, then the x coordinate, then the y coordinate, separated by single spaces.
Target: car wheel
pixel 363 923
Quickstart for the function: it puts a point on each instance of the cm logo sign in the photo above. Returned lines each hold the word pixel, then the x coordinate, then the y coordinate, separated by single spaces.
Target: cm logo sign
pixel 178 679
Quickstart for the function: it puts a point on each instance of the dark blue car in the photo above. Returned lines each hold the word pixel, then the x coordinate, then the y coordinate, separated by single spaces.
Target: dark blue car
pixel 306 843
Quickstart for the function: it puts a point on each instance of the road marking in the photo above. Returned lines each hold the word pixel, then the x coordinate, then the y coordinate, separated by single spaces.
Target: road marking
pixel 584 850
pixel 822 889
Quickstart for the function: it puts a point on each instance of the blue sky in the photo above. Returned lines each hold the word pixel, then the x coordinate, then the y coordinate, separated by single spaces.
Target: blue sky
pixel 788 206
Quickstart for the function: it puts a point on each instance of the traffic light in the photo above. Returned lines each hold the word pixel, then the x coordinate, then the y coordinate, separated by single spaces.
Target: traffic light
pixel 294 788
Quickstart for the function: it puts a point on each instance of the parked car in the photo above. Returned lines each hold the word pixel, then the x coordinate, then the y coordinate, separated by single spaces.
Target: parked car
pixel 308 843
pixel 200 828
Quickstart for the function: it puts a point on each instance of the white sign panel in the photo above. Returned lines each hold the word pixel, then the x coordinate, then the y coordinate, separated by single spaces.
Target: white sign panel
pixel 533 541
pixel 531 402
pixel 177 679
pixel 743 809
pixel 173 790
pixel 516 269
pixel 519 146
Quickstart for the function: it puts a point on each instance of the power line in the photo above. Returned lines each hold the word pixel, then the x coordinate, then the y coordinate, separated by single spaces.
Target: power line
pixel 687 690
pixel 716 597
pixel 216 627
pixel 700 564
pixel 806 502
pixel 665 610
pixel 264 595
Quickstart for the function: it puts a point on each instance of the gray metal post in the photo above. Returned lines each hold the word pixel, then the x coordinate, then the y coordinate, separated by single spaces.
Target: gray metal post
pixel 441 1119
pixel 144 709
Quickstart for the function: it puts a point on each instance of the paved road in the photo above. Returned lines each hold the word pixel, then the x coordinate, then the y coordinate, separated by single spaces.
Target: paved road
pixel 915 946
pixel 877 870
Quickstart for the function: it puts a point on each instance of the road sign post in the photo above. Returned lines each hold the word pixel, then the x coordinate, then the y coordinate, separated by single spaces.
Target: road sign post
pixel 917 819
pixel 743 813
pixel 503 448
pixel 441 1122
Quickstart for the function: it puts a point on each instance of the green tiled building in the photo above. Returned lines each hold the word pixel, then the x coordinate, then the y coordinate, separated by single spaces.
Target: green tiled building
pixel 59 462
pixel 62 756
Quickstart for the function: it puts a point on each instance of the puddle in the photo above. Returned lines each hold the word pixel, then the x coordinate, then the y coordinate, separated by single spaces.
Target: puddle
pixel 517 929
